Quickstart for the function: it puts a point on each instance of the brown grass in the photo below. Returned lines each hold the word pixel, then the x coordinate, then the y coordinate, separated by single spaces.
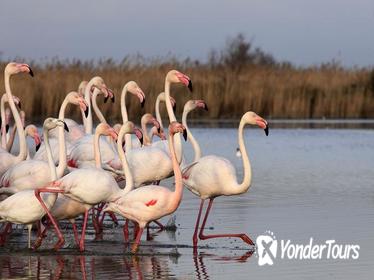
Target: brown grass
pixel 271 91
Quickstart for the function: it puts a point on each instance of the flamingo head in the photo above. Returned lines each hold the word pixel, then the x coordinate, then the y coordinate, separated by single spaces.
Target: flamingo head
pixel 98 82
pixel 134 89
pixel 15 68
pixel 107 130
pixel 51 123
pixel 129 128
pixel 32 131
pixel 82 87
pixel 75 98
pixel 193 104
pixel 175 76
pixel 254 119
pixel 176 127
pixel 149 119
pixel 158 133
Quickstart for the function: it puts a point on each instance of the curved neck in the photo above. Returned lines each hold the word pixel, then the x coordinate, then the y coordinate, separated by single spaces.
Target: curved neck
pixel 10 142
pixel 125 165
pixel 3 123
pixel 172 118
pixel 17 118
pixel 125 117
pixel 146 138
pixel 98 113
pixel 61 141
pixel 157 111
pixel 51 163
pixel 177 197
pixel 244 186
pixel 191 138
pixel 87 97
pixel 97 149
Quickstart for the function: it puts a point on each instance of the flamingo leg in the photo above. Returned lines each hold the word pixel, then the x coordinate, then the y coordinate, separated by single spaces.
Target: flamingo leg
pixel 162 227
pixel 243 236
pixel 97 227
pixel 75 231
pixel 136 229
pixel 137 240
pixel 83 234
pixel 61 239
pixel 29 228
pixel 194 238
pixel 40 238
pixel 126 231
pixel 7 230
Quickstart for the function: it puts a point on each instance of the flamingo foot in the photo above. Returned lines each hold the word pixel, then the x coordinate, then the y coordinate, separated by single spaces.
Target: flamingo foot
pixel 59 244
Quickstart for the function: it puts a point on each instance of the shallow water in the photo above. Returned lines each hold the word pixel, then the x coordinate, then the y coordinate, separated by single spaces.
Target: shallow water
pixel 306 183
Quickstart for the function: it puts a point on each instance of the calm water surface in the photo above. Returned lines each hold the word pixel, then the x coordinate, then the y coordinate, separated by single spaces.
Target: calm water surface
pixel 306 183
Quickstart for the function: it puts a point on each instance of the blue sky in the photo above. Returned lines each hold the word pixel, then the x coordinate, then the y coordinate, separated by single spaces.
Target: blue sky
pixel 300 31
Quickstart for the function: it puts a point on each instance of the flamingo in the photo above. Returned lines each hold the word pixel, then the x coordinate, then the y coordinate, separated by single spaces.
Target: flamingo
pixel 32 174
pixel 7 159
pixel 211 176
pixel 161 97
pixel 188 107
pixel 153 163
pixel 147 119
pixel 151 202
pixel 23 207
pixel 89 186
pixel 5 115
pixel 31 131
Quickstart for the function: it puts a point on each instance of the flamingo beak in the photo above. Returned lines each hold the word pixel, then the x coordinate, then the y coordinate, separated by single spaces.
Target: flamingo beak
pixel 66 127
pixel 84 107
pixel 37 142
pixel 156 124
pixel 266 130
pixel 263 124
pixel 185 134
pixel 190 85
pixel 139 134
pixel 30 71
pixel 201 104
pixel 140 94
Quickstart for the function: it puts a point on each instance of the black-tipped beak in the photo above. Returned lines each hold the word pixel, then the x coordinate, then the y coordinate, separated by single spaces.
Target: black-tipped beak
pixel 30 72
pixel 185 134
pixel 113 99
pixel 66 127
pixel 141 140
pixel 86 112
pixel 106 99
pixel 190 85
pixel 266 129
pixel 142 104
pixel 37 147
pixel 19 105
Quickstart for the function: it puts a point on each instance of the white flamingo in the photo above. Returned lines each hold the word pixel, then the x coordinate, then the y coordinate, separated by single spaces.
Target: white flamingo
pixel 151 202
pixel 7 159
pixel 23 207
pixel 212 176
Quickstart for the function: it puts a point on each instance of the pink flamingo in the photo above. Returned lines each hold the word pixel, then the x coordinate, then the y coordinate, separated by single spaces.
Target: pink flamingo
pixel 7 159
pixel 212 176
pixel 151 202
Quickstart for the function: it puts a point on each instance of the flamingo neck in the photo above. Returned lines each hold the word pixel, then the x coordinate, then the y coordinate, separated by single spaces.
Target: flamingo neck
pixel 17 118
pixel 125 117
pixel 157 111
pixel 146 138
pixel 61 141
pixel 244 186
pixel 125 165
pixel 191 138
pixel 98 113
pixel 51 164
pixel 10 142
pixel 97 149
pixel 172 118
pixel 177 196
pixel 3 123
pixel 87 97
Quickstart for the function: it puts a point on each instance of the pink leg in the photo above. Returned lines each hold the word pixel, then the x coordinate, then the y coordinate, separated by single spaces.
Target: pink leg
pixel 159 224
pixel 75 231
pixel 61 239
pixel 194 238
pixel 137 241
pixel 97 227
pixel 243 236
pixel 83 235
pixel 7 230
pixel 136 229
pixel 126 231
pixel 40 238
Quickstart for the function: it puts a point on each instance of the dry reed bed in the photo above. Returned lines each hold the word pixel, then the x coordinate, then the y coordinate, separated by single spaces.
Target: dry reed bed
pixel 273 92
